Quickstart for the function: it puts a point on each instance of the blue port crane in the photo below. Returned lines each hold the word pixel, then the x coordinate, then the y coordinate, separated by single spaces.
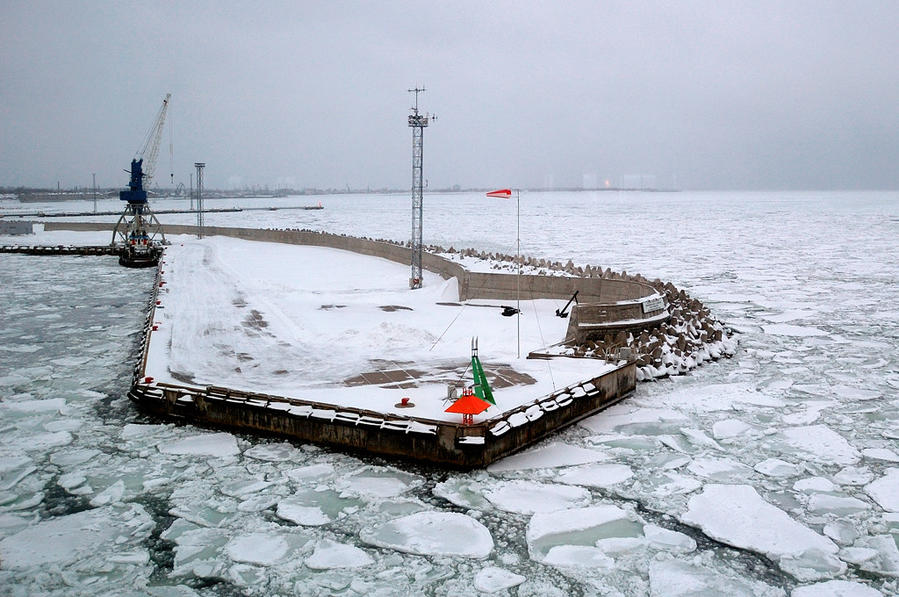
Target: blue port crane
pixel 138 234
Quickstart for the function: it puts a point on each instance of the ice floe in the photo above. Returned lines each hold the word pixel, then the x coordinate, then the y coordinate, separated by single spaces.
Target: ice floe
pixel 719 469
pixel 552 455
pixel 676 578
pixel 633 420
pixel 596 475
pixel 738 516
pixel 219 445
pixel 73 537
pixel 580 527
pixel 432 533
pixel 315 507
pixel 330 554
pixel 729 428
pixel 493 579
pixel 463 492
pixel 528 497
pixel 775 467
pixel 378 482
pixel 836 588
pixel 820 443
pixel 885 490
pixel 786 329
pixel 836 504
pixel 263 549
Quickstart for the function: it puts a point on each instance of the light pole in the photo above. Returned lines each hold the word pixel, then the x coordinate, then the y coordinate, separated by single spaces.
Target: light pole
pixel 94 175
pixel 199 166
pixel 518 259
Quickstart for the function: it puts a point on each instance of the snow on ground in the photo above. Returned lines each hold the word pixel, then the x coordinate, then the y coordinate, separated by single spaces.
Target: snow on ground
pixel 312 322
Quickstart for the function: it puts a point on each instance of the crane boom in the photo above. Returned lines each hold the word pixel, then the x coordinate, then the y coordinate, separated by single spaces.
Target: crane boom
pixel 138 234
pixel 150 149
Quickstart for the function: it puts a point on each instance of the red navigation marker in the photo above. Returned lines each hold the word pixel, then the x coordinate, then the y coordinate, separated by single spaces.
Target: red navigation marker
pixel 468 406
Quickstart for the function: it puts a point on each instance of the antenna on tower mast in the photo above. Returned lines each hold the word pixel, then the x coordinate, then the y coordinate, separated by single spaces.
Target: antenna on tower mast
pixel 417 122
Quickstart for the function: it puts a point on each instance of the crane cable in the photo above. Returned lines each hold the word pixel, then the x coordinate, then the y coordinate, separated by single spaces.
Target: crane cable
pixel 448 327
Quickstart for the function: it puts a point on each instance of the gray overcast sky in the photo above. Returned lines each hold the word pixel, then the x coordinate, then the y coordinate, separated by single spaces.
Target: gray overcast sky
pixel 721 95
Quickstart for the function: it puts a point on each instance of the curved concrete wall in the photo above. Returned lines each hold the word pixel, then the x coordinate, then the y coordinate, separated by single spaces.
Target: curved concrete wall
pixel 597 296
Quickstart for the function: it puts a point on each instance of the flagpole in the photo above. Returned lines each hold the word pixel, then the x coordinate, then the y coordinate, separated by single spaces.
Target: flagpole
pixel 518 258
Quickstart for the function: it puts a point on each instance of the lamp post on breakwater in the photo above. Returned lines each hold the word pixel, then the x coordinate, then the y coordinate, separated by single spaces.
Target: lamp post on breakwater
pixel 505 194
pixel 199 166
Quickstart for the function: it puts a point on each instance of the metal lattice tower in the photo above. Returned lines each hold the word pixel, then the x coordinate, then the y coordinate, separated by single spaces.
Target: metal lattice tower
pixel 200 166
pixel 417 122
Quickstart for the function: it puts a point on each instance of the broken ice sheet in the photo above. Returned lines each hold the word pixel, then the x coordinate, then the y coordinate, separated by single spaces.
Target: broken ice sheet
pixel 315 507
pixel 738 516
pixel 378 482
pixel 676 578
pixel 885 490
pixel 493 579
pixel 579 526
pixel 68 538
pixel 527 497
pixel 463 492
pixel 216 445
pixel 432 533
pixel 331 554
pixel 596 475
pixel 552 455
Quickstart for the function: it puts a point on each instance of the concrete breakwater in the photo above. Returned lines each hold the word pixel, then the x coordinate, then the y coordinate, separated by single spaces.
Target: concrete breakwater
pixel 629 304
pixel 672 341
pixel 434 441
pixel 611 314
pixel 445 443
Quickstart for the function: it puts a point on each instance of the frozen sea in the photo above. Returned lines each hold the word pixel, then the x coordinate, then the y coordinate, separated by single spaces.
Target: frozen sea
pixel 775 472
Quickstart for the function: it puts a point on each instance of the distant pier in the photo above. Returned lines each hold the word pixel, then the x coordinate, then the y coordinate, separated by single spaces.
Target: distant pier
pixel 60 250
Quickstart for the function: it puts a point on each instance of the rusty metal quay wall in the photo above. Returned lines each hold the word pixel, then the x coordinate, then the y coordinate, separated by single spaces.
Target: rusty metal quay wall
pixel 59 250
pixel 436 442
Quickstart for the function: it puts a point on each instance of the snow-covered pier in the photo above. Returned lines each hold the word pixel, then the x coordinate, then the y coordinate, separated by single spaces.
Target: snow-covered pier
pixel 171 381
pixel 229 343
